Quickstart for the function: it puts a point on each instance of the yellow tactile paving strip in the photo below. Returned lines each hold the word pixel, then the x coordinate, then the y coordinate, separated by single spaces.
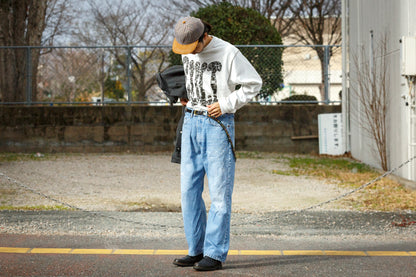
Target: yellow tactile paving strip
pixel 82 251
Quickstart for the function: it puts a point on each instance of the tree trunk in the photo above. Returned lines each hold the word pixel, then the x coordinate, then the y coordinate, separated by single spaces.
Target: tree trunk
pixel 22 23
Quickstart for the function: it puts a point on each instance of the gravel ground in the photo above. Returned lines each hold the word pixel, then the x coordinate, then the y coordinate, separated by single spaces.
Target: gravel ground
pixel 313 225
pixel 121 187
pixel 127 182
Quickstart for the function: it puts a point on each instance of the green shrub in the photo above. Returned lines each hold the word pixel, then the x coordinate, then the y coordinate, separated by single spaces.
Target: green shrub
pixel 300 97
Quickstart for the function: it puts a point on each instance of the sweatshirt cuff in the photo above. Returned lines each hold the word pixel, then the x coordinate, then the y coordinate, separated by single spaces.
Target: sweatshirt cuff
pixel 225 108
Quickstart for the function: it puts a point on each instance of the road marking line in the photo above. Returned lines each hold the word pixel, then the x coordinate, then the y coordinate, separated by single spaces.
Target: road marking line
pixel 171 252
pixel 14 250
pixel 159 252
pixel 344 253
pixel 388 253
pixel 303 253
pixel 260 252
pixel 134 252
pixel 92 251
pixel 50 250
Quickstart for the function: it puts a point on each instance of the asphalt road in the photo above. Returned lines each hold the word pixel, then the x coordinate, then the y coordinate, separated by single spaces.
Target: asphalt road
pixel 313 243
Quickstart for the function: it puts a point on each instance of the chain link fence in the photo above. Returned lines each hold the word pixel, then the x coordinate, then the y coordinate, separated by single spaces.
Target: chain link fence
pixel 125 74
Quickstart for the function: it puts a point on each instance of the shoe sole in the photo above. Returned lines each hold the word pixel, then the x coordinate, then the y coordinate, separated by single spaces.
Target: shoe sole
pixel 178 263
pixel 187 261
pixel 183 265
pixel 207 268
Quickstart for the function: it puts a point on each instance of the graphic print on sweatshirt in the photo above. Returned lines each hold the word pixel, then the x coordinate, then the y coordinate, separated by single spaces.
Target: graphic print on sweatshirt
pixel 195 72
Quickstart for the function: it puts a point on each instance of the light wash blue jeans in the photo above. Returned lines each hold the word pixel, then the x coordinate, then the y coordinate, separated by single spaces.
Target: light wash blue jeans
pixel 206 150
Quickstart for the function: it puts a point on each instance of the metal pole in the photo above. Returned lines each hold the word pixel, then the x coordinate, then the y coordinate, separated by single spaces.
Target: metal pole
pixel 28 76
pixel 102 77
pixel 345 92
pixel 326 74
pixel 128 75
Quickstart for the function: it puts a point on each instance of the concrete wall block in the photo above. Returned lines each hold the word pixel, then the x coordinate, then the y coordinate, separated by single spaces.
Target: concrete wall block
pixel 8 133
pixel 117 134
pixel 138 130
pixel 84 133
pixel 150 128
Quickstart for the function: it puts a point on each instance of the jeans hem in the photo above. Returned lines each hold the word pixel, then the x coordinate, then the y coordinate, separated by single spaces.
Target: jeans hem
pixel 215 257
pixel 189 254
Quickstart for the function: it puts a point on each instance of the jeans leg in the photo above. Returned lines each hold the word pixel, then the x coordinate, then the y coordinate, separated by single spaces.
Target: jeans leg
pixel 220 168
pixel 192 185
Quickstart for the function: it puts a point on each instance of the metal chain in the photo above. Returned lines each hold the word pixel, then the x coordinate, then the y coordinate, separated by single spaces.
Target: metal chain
pixel 94 213
pixel 387 173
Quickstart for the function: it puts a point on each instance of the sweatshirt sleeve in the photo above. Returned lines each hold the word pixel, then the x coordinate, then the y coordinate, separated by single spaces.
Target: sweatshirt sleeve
pixel 241 73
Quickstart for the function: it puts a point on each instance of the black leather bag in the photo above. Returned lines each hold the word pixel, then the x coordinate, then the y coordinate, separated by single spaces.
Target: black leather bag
pixel 172 82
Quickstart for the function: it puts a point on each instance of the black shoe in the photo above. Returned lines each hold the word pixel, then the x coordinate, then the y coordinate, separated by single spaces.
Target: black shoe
pixel 208 264
pixel 188 260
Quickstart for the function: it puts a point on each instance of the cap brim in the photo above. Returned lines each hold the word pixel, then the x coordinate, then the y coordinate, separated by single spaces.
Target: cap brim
pixel 183 49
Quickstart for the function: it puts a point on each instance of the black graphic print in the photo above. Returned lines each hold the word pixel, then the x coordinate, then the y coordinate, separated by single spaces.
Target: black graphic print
pixel 214 67
pixel 191 76
pixel 195 72
pixel 188 84
pixel 197 81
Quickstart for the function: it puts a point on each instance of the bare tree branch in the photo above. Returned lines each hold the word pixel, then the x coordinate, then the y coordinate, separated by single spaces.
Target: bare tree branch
pixel 317 22
pixel 277 11
pixel 371 91
pixel 130 23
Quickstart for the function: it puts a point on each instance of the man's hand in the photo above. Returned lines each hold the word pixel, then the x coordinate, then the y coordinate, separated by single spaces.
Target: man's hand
pixel 184 101
pixel 214 109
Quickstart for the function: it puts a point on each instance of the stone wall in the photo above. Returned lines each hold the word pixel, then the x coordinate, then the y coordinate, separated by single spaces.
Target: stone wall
pixel 27 129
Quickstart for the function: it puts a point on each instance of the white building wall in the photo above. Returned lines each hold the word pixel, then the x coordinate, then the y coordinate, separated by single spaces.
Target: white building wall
pixel 395 18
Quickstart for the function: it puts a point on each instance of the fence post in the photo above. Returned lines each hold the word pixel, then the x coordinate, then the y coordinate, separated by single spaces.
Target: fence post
pixel 28 76
pixel 128 75
pixel 102 77
pixel 326 74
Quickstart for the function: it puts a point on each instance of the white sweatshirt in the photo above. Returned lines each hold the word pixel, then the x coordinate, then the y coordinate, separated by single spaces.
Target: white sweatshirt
pixel 213 74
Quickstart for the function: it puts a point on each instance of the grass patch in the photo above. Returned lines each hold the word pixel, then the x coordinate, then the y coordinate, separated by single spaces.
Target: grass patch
pixel 17 157
pixel 249 155
pixel 153 205
pixel 383 195
pixel 35 208
pixel 284 172
pixel 325 166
